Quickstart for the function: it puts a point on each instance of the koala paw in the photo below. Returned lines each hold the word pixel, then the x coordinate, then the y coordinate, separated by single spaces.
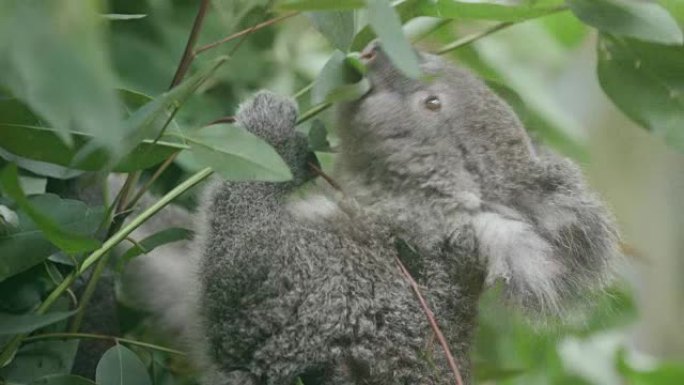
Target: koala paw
pixel 269 116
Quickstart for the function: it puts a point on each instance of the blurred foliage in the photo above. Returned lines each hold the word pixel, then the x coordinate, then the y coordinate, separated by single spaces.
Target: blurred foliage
pixel 86 90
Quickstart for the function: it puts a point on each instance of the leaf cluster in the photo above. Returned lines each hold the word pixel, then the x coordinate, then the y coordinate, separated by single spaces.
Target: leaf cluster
pixel 91 89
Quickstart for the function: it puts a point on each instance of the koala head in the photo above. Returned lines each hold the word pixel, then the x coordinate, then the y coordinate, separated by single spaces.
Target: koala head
pixel 448 119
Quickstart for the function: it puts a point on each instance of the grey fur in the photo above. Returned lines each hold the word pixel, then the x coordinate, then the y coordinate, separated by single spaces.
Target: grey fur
pixel 310 287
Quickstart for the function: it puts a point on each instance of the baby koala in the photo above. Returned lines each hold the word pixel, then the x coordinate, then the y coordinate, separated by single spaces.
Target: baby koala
pixel 439 173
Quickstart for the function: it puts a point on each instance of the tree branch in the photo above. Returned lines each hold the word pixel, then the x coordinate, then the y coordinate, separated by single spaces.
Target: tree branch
pixel 59 336
pixel 188 53
pixel 244 32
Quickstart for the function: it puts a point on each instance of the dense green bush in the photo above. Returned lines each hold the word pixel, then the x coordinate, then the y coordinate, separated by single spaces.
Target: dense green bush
pixel 147 88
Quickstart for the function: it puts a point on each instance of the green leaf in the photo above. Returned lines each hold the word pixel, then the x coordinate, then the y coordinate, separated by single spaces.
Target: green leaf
pixel 69 242
pixel 39 359
pixel 338 81
pixel 320 5
pixel 31 141
pixel 450 9
pixel 565 28
pixel 237 154
pixel 644 20
pixel 27 323
pixel 32 185
pixel 68 82
pixel 119 16
pixel 152 119
pixel 338 27
pixel 646 82
pixel 120 366
pixel 38 167
pixel 668 373
pixel 387 26
pixel 26 246
pixel 163 237
pixel 327 161
pixel 63 379
pixel 406 11
pixel 676 8
pixel 318 136
pixel 24 140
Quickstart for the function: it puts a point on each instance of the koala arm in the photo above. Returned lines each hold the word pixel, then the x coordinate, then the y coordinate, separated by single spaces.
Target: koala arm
pixel 553 241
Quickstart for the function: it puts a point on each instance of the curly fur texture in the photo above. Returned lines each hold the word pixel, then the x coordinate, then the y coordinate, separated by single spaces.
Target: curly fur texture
pixel 308 287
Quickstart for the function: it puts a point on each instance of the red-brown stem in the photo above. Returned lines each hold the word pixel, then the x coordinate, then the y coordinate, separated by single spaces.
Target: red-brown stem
pixel 244 32
pixel 225 119
pixel 325 176
pixel 153 178
pixel 433 323
pixel 188 53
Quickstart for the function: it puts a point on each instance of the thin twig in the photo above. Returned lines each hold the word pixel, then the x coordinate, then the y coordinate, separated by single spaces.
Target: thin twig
pixel 94 278
pixel 325 176
pixel 243 32
pixel 13 344
pixel 225 119
pixel 59 336
pixel 433 323
pixel 313 112
pixel 152 179
pixel 188 53
pixel 471 38
pixel 189 58
pixel 303 91
pixel 493 29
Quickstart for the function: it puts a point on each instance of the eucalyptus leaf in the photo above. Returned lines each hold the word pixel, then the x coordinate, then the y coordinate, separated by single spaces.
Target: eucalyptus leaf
pixel 120 16
pixel 24 139
pixel 63 379
pixel 40 168
pixel 676 8
pixel 338 27
pixel 69 242
pixel 236 154
pixel 338 81
pixel 56 45
pixel 387 26
pixel 36 360
pixel 152 119
pixel 406 10
pixel 646 82
pixel 667 373
pixel 26 246
pixel 320 5
pixel 31 142
pixel 450 9
pixel 120 366
pixel 645 20
pixel 163 237
pixel 318 136
pixel 27 323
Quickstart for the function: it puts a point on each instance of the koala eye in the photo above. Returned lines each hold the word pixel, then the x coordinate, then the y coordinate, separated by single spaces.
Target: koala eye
pixel 433 103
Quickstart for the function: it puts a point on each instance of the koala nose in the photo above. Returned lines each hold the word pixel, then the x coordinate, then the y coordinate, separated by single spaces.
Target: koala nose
pixel 371 51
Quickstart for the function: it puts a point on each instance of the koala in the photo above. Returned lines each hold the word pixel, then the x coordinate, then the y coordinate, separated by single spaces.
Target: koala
pixel 438 173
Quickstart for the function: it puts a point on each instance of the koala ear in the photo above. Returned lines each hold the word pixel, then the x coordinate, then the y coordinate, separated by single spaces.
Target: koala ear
pixel 269 116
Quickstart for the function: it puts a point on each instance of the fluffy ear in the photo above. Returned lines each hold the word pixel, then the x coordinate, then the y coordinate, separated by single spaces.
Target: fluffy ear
pixel 269 116
pixel 524 260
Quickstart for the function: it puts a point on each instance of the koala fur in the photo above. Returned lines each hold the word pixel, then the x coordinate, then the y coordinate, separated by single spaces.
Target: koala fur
pixel 282 287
